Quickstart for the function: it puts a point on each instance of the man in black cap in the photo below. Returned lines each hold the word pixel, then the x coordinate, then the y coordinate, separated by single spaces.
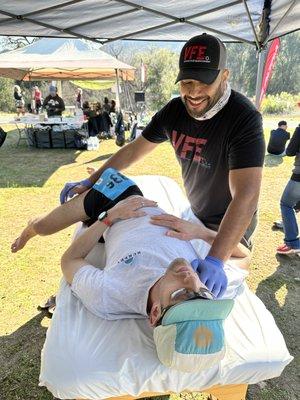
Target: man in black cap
pixel 218 139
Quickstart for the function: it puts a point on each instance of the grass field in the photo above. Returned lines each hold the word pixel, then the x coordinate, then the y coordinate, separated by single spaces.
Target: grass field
pixel 30 182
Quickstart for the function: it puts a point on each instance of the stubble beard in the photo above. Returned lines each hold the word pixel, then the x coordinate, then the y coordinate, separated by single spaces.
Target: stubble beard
pixel 211 101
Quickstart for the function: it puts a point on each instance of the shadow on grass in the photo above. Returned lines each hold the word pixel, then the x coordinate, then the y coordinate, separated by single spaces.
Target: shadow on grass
pixel 100 158
pixel 20 362
pixel 286 280
pixel 273 161
pixel 21 166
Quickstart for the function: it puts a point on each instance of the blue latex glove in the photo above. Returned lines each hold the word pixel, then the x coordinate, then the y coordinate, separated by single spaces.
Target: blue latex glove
pixel 211 274
pixel 68 192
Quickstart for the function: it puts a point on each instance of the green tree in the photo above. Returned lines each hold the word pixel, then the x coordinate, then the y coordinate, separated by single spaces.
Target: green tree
pixel 161 71
pixel 242 63
pixel 6 95
pixel 286 73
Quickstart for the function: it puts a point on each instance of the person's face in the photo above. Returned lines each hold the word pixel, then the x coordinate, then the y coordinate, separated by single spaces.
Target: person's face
pixel 52 93
pixel 199 97
pixel 179 275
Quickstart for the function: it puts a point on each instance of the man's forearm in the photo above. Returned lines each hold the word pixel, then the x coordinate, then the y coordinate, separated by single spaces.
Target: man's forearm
pixel 234 224
pixel 117 161
pixel 126 156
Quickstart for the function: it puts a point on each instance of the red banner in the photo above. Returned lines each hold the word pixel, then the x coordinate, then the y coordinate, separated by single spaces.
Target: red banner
pixel 268 68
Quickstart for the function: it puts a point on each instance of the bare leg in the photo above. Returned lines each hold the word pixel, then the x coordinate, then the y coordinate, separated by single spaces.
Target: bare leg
pixel 60 218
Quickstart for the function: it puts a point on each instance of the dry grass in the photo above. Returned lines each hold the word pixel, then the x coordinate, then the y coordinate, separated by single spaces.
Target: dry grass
pixel 30 182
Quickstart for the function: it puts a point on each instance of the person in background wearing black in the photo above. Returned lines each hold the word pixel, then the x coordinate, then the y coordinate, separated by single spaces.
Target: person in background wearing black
pixel 112 106
pixel 53 104
pixel 217 136
pixel 78 99
pixel 19 100
pixel 278 139
pixel 289 199
pixel 106 105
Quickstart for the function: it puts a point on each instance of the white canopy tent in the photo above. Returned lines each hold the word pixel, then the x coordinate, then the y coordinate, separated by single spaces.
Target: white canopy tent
pixel 251 21
pixel 61 59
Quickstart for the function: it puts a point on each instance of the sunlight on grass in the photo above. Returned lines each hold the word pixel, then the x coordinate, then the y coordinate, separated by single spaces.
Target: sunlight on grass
pixel 281 294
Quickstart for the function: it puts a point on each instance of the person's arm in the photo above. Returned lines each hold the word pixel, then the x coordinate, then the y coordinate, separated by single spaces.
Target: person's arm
pixel 294 145
pixel 45 103
pixel 244 187
pixel 187 230
pixel 122 159
pixel 74 257
pixel 61 106
pixel 126 156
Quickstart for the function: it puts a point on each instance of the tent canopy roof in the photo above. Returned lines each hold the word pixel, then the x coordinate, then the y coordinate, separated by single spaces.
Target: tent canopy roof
pixel 61 59
pixel 252 21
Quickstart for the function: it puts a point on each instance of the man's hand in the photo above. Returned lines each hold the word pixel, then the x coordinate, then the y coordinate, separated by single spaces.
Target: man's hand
pixel 72 188
pixel 180 229
pixel 211 273
pixel 130 208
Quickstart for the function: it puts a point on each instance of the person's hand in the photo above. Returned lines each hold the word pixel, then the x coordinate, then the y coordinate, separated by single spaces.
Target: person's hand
pixel 130 208
pixel 72 188
pixel 180 228
pixel 211 273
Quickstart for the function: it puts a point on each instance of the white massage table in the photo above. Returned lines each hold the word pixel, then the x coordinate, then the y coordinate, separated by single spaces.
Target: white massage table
pixel 85 357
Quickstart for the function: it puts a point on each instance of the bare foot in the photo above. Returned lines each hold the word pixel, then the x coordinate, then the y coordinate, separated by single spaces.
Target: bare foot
pixel 21 241
pixel 91 170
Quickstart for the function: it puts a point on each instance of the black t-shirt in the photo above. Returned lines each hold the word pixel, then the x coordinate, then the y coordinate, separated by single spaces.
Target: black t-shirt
pixel 277 142
pixel 54 105
pixel 207 150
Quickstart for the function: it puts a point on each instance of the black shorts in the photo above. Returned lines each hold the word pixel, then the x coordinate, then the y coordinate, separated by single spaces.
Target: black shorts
pixel 96 202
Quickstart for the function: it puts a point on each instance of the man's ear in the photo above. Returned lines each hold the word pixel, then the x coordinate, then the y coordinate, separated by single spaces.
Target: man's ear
pixel 155 313
pixel 225 75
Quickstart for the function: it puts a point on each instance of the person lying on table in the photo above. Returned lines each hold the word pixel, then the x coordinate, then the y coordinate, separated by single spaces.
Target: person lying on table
pixel 149 275
pixel 100 201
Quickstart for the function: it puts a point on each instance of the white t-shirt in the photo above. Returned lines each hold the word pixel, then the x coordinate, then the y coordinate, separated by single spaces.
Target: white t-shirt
pixel 138 254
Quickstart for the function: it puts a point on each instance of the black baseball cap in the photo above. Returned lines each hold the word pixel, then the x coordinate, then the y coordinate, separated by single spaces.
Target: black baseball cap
pixel 201 59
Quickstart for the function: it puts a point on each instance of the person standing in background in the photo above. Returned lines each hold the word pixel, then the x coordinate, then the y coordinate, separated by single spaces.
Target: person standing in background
pixel 106 105
pixel 53 103
pixel 289 199
pixel 37 97
pixel 19 100
pixel 78 99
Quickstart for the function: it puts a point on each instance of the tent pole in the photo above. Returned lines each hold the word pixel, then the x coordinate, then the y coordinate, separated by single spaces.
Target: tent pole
pixel 117 91
pixel 59 87
pixel 262 54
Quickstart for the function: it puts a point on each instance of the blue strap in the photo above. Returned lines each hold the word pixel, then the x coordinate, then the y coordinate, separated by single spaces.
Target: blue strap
pixel 112 183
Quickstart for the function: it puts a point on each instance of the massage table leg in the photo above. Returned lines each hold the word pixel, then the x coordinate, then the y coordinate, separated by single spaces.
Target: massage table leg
pixel 226 392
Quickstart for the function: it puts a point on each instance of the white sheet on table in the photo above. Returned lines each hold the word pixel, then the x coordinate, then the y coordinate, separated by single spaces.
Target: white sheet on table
pixel 90 358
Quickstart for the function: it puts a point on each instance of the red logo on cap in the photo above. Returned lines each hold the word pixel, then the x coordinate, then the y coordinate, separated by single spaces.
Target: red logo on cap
pixel 195 52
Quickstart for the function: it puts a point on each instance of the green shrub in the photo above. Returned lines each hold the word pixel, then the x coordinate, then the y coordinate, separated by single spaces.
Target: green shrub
pixel 282 103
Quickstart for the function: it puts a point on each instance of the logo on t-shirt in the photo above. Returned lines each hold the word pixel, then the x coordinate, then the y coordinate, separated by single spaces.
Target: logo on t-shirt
pixel 129 258
pixel 189 148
